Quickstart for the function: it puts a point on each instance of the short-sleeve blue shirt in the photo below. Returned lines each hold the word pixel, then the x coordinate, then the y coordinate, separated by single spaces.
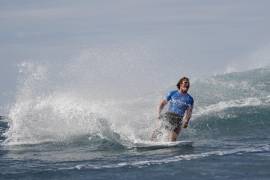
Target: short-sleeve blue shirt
pixel 179 102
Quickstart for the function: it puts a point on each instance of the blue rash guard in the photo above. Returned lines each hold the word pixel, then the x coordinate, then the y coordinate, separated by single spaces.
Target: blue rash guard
pixel 179 102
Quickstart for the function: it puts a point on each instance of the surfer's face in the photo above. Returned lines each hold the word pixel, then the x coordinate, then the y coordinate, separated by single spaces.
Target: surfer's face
pixel 184 86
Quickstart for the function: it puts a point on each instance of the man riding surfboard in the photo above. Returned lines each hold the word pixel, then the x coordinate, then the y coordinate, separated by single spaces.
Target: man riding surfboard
pixel 179 111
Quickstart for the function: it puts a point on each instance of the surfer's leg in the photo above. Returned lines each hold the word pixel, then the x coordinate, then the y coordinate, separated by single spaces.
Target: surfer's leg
pixel 174 134
pixel 154 135
pixel 158 130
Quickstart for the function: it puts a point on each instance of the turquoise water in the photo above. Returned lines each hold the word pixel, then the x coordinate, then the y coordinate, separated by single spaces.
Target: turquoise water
pixel 63 136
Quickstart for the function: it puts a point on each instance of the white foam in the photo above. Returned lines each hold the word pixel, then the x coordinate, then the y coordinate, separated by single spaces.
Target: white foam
pixel 50 118
pixel 58 117
pixel 48 108
pixel 252 101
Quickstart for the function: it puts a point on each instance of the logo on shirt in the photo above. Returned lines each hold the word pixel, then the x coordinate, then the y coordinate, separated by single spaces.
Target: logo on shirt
pixel 179 103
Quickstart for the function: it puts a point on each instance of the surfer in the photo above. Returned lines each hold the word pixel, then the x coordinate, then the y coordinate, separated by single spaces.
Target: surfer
pixel 179 111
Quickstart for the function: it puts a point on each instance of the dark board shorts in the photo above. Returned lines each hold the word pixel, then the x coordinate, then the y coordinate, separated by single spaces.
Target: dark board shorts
pixel 171 121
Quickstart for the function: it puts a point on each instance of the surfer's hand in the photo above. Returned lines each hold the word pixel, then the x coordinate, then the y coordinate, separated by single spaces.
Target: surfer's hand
pixel 185 124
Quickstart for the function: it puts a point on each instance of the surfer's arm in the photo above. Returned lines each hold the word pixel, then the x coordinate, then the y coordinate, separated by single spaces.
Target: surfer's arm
pixel 187 116
pixel 162 104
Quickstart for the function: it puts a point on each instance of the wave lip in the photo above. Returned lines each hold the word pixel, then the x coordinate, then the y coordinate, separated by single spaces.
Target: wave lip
pixel 220 106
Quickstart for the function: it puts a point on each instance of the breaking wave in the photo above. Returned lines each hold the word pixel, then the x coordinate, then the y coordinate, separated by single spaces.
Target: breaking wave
pixel 48 111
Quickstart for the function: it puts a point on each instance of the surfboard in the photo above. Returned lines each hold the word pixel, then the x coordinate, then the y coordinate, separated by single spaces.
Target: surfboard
pixel 153 144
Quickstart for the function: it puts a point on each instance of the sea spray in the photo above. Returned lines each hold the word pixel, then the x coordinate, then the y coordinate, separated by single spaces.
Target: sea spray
pixel 46 111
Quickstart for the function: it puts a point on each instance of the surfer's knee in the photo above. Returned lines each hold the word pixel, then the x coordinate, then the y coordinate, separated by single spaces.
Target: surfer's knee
pixel 173 136
pixel 177 130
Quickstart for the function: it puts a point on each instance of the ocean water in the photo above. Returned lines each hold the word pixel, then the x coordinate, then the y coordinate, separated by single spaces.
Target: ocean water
pixel 50 133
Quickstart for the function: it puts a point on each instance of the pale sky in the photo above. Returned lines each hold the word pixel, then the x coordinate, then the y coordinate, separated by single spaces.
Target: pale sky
pixel 126 43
